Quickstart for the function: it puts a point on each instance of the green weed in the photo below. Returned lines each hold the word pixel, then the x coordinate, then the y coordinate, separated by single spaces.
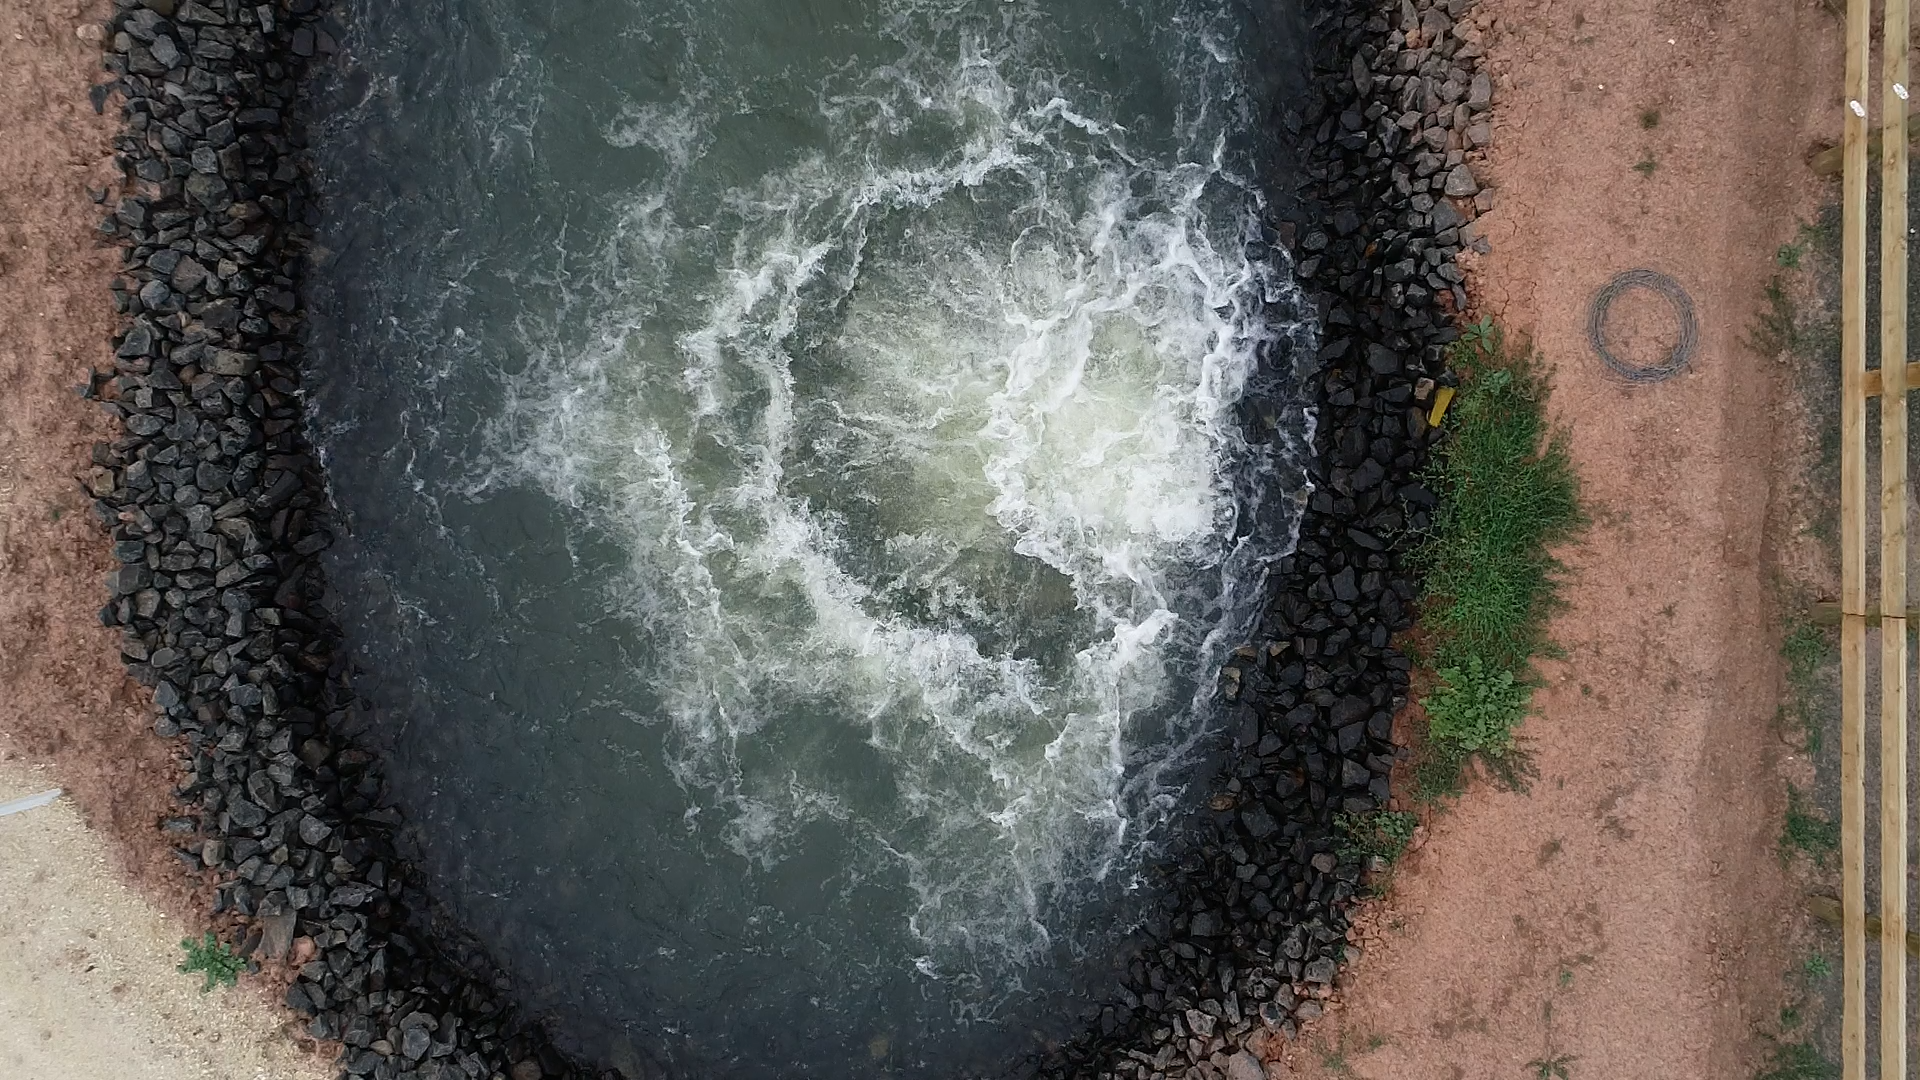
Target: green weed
pixel 1806 649
pixel 1475 709
pixel 1816 966
pixel 213 958
pixel 1557 1067
pixel 1382 833
pixel 1649 119
pixel 1645 166
pixel 1776 331
pixel 1805 831
pixel 1508 493
pixel 1798 1061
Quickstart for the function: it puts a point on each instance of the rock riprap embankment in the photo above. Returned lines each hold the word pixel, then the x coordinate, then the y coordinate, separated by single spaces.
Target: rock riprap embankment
pixel 1392 132
pixel 217 510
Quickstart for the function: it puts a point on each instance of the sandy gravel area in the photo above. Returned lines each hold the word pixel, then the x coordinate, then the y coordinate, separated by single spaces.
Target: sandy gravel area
pixel 87 981
pixel 1628 917
pixel 88 985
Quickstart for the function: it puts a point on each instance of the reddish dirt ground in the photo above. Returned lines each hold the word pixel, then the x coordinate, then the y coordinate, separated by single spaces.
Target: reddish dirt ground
pixel 66 701
pixel 1628 917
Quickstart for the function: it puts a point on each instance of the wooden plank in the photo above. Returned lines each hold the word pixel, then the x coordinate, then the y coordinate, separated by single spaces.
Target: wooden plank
pixel 1870 386
pixel 1827 910
pixel 1893 542
pixel 1853 550
pixel 1829 162
pixel 1827 613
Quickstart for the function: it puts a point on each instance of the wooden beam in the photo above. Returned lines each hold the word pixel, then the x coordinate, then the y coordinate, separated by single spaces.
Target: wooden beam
pixel 1829 162
pixel 1853 543
pixel 1870 384
pixel 1827 613
pixel 1893 541
pixel 1827 910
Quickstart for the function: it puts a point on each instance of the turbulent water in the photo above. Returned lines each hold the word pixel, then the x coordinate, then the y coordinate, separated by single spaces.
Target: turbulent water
pixel 805 461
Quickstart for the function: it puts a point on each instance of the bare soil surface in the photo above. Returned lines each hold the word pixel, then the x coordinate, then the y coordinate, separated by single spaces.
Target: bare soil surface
pixel 88 984
pixel 1629 915
pixel 64 699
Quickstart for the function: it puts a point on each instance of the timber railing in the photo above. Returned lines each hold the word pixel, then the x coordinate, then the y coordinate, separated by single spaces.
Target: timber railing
pixel 1889 383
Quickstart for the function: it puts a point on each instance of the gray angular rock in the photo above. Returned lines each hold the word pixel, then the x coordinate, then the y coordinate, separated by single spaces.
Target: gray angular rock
pixel 231 362
pixel 1460 182
pixel 187 276
pixel 313 831
pixel 1480 92
pixel 1258 822
pixel 138 342
pixel 165 52
pixel 1244 1066
pixel 244 814
pixel 193 12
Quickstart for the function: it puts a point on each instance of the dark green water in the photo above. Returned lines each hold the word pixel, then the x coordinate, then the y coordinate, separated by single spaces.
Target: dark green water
pixel 806 461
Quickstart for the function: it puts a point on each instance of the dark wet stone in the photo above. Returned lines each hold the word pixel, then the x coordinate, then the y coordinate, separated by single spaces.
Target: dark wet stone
pixel 1258 822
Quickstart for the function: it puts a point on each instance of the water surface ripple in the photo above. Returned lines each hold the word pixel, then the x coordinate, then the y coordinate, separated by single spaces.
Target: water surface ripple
pixel 805 460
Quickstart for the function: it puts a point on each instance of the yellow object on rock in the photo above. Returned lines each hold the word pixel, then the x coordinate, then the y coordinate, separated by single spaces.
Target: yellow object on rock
pixel 1441 399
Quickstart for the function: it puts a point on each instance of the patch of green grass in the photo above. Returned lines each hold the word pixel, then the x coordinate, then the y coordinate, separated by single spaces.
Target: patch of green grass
pixel 1508 493
pixel 1789 255
pixel 1645 166
pixel 1798 1061
pixel 1383 833
pixel 1806 648
pixel 213 958
pixel 1806 831
pixel 1649 119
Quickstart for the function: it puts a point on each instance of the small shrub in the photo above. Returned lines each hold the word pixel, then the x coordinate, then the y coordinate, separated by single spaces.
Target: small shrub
pixel 1383 833
pixel 1475 709
pixel 1645 166
pixel 1649 119
pixel 213 958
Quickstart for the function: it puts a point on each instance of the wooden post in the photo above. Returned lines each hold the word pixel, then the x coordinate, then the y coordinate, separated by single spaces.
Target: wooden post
pixel 1830 161
pixel 1827 910
pixel 1853 550
pixel 1893 541
pixel 1871 387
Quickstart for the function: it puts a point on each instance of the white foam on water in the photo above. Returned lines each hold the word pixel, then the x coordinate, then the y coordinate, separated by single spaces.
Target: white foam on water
pixel 936 503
